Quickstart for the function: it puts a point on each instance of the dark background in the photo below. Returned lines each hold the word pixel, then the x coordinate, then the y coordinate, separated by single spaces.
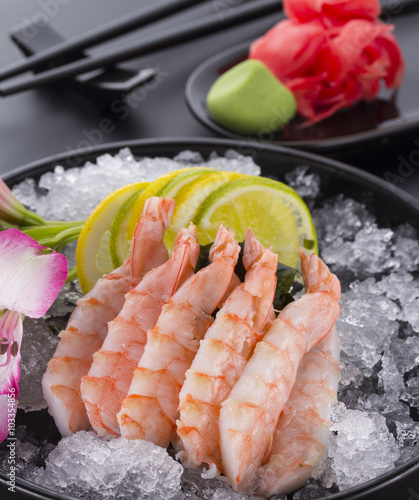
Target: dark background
pixel 42 122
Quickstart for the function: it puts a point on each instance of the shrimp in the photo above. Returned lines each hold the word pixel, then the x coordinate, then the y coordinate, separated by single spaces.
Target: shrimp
pixel 150 410
pixel 87 326
pixel 249 415
pixel 105 386
pixel 222 355
pixel 302 433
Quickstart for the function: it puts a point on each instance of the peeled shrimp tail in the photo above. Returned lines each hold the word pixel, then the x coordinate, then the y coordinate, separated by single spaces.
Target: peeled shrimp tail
pixel 249 416
pixel 88 325
pixel 302 433
pixel 222 355
pixel 151 407
pixel 317 277
pixel 109 378
pixel 151 252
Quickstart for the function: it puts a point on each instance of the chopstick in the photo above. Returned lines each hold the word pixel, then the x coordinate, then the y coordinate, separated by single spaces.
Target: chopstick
pixel 120 26
pixel 169 38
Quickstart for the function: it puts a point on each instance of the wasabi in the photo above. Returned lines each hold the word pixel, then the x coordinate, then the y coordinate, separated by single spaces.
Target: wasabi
pixel 249 99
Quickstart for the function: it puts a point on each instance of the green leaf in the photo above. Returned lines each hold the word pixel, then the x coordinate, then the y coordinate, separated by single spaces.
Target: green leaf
pixel 285 278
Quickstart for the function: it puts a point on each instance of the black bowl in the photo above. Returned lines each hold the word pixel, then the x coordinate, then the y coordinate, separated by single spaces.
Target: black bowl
pixel 391 114
pixel 391 206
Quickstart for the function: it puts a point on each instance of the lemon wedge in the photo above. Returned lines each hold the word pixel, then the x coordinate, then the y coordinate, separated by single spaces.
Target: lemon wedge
pixel 189 198
pixel 92 254
pixel 168 186
pixel 275 212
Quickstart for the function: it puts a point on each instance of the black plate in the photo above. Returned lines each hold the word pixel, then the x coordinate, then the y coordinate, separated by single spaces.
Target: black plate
pixel 394 205
pixel 392 113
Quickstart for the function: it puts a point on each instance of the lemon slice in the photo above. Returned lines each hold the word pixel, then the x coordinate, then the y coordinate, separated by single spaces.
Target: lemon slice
pixel 189 198
pixel 119 244
pixel 185 177
pixel 154 188
pixel 168 185
pixel 92 254
pixel 275 212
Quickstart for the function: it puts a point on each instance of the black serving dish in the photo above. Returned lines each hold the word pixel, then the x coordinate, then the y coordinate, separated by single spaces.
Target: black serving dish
pixel 391 206
pixel 391 114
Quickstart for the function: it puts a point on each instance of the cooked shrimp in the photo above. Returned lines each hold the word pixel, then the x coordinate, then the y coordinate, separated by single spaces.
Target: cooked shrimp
pixel 302 433
pixel 105 386
pixel 87 326
pixel 151 408
pixel 222 356
pixel 249 416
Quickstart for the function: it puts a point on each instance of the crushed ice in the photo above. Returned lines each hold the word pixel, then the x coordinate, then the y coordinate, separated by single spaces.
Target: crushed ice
pixel 370 449
pixel 375 424
pixel 117 468
pixel 73 194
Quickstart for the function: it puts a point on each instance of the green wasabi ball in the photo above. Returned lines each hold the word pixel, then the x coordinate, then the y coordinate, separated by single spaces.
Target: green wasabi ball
pixel 248 99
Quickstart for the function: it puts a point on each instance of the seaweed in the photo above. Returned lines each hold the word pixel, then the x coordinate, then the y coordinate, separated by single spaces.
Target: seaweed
pixel 286 284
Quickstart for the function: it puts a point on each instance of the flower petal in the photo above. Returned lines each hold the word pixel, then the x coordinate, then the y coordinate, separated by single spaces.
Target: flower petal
pixel 9 374
pixel 30 275
pixel 11 332
pixel 6 418
pixel 10 207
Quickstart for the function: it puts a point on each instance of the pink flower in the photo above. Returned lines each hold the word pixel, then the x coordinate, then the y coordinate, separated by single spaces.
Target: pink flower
pixel 11 210
pixel 30 278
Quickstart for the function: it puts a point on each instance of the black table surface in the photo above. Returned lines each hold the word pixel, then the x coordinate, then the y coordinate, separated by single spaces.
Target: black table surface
pixel 39 123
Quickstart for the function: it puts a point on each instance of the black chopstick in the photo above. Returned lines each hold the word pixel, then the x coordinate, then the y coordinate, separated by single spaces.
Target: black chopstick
pixel 189 31
pixel 120 26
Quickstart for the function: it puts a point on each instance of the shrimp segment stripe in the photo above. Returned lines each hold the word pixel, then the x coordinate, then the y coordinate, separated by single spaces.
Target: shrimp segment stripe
pixel 153 399
pixel 94 301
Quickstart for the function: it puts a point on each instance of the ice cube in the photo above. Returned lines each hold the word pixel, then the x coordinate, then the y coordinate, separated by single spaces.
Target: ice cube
pixel 234 162
pixel 350 374
pixel 366 326
pixel 407 432
pixel 312 491
pixel 361 447
pixel 348 217
pixel 398 286
pixel 229 494
pixel 38 346
pixel 306 184
pixel 83 465
pixel 368 253
pixel 411 393
pixel 27 452
pixel 406 250
pixel 192 481
pixel 323 473
pixel 405 352
pixel 410 313
pixel 189 157
pixel 390 378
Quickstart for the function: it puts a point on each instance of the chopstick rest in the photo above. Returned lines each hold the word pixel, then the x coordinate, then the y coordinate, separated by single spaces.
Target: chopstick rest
pixel 102 86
